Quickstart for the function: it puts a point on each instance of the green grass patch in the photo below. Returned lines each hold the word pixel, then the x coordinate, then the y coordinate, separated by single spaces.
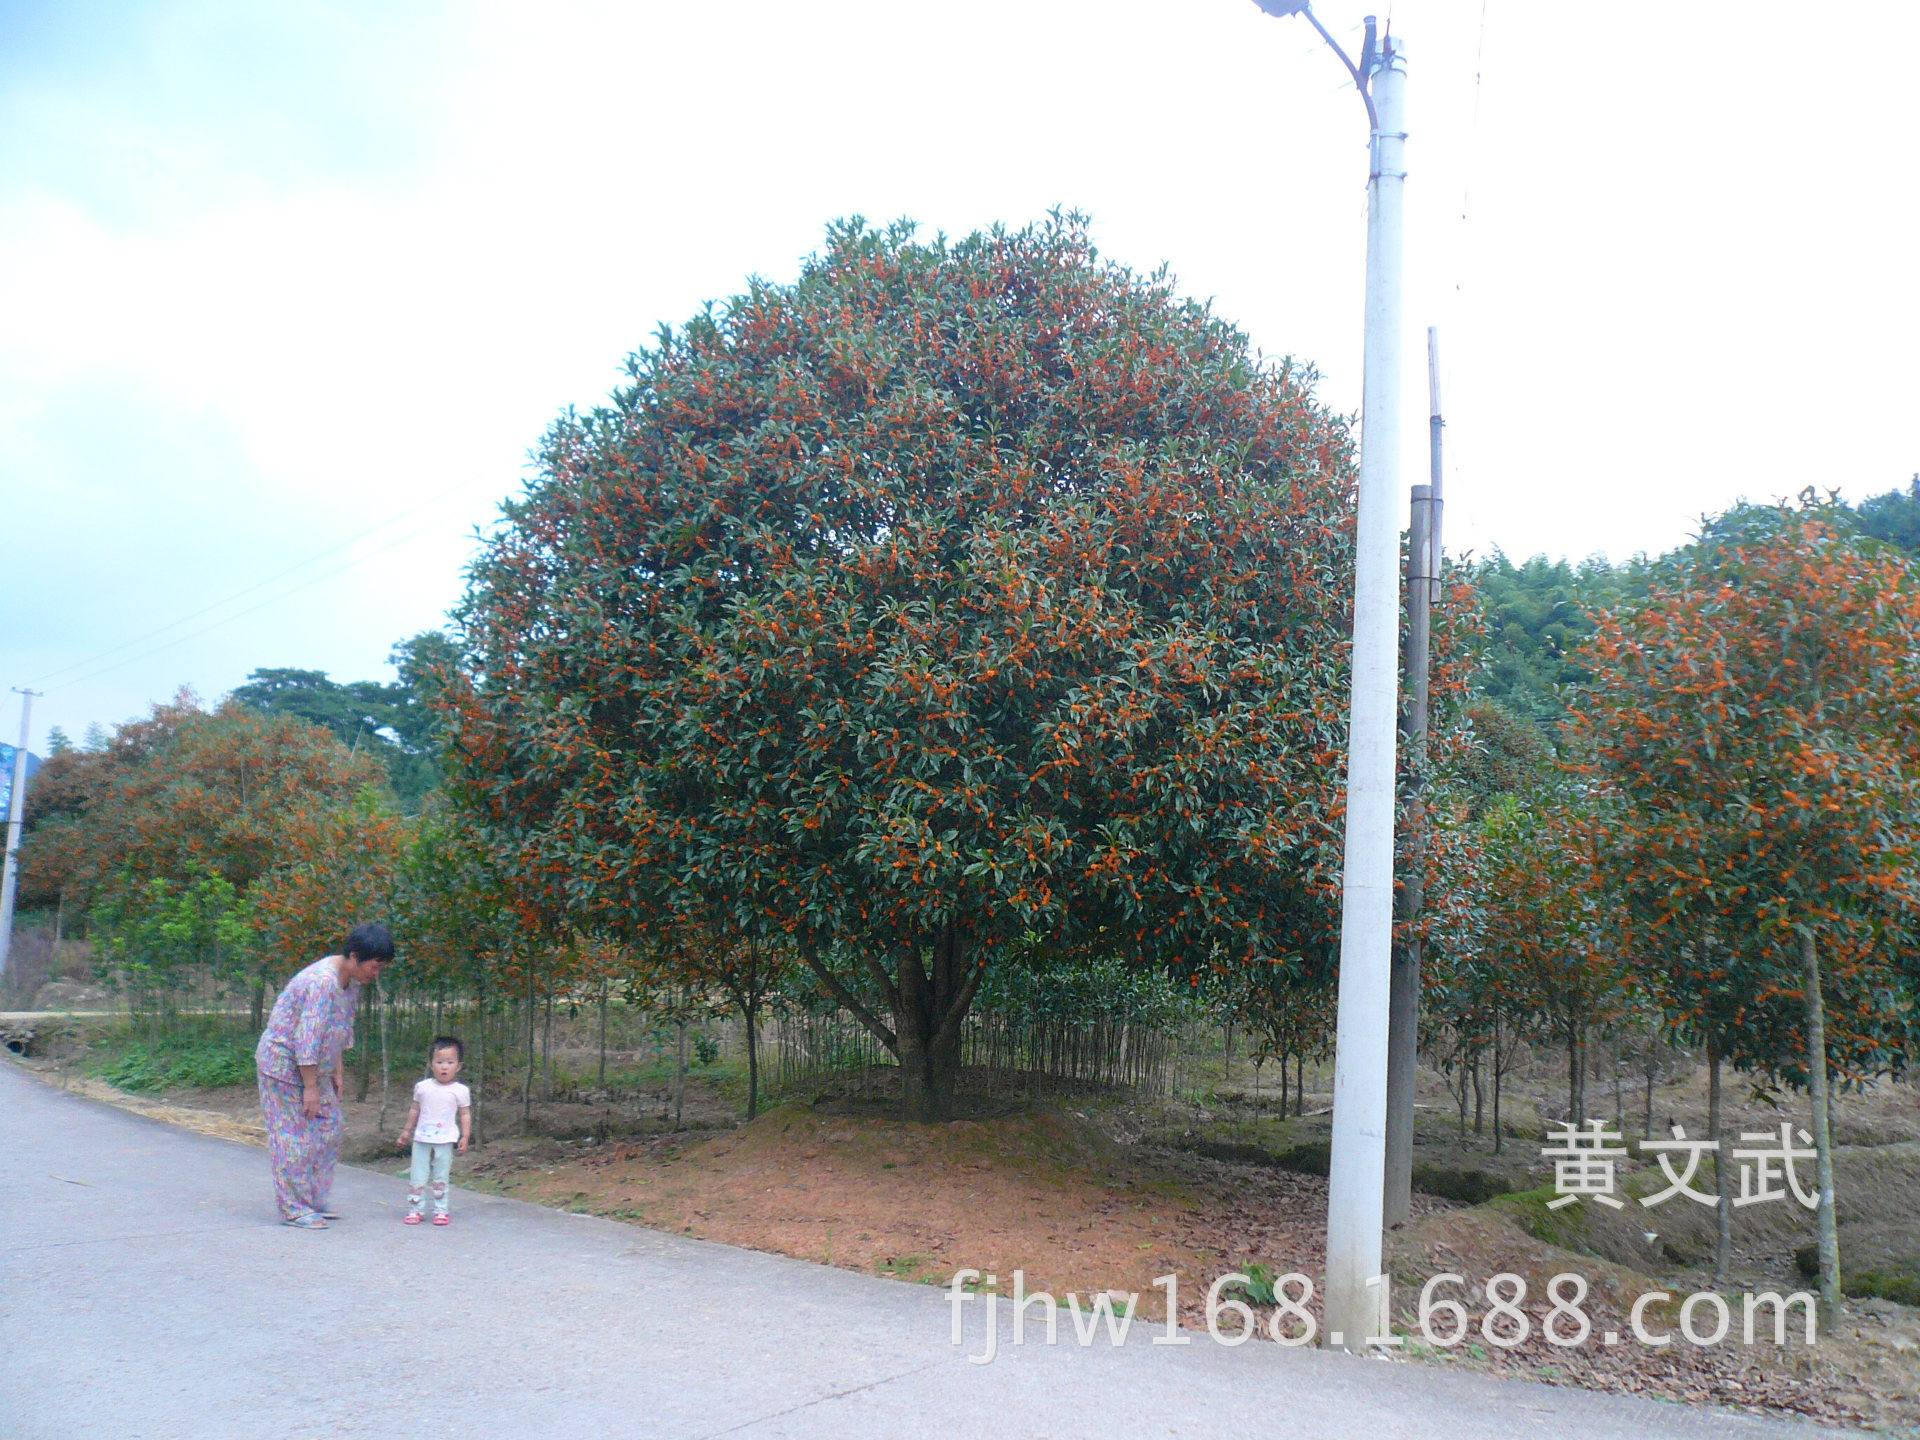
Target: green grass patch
pixel 1529 1210
pixel 1469 1187
pixel 1897 1280
pixel 176 1064
pixel 1902 1285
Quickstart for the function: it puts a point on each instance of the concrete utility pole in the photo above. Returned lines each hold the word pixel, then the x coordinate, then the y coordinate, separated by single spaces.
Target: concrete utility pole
pixel 1354 1308
pixel 1423 589
pixel 16 807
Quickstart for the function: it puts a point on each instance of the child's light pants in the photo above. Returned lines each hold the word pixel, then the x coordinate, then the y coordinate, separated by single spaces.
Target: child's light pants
pixel 435 1161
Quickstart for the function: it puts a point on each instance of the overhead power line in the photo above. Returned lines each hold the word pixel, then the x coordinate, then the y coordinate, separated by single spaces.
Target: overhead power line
pixel 92 668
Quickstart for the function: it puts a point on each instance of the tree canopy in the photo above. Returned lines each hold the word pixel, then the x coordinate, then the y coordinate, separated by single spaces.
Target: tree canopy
pixel 396 722
pixel 955 593
pixel 1751 722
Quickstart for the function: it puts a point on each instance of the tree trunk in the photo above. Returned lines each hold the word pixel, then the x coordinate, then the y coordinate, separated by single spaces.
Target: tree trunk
pixel 480 1071
pixel 366 1049
pixel 680 1068
pixel 1822 1129
pixel 603 1035
pixel 1457 1083
pixel 533 1024
pixel 930 1005
pixel 259 1000
pixel 386 1007
pixel 1646 1126
pixel 546 1053
pixel 1283 1084
pixel 1723 1236
pixel 1499 1071
pixel 1479 1100
pixel 1573 1075
pixel 752 1013
pixel 1582 1051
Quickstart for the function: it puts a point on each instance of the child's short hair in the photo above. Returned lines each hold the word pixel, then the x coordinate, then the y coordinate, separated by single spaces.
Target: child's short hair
pixel 447 1042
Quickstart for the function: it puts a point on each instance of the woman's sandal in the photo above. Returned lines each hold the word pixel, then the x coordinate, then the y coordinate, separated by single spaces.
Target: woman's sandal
pixel 308 1221
pixel 443 1218
pixel 412 1217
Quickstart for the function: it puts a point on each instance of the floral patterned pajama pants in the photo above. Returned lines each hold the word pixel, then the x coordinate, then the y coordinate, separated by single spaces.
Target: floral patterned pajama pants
pixel 302 1152
pixel 433 1161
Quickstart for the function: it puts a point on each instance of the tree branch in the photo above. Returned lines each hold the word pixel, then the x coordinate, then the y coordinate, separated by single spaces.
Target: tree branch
pixel 848 1001
pixel 888 989
pixel 957 1011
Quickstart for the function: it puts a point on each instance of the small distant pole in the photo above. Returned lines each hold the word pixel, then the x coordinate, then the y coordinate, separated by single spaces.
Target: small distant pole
pixel 16 809
pixel 1436 428
pixel 1403 1006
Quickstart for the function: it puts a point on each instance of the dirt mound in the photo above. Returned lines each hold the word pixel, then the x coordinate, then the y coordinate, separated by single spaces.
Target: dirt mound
pixel 68 995
pixel 1047 1190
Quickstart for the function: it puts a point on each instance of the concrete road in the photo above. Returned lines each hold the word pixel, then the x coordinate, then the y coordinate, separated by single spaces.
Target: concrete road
pixel 146 1292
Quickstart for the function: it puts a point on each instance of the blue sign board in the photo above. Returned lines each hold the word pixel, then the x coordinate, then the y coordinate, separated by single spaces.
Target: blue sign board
pixel 6 777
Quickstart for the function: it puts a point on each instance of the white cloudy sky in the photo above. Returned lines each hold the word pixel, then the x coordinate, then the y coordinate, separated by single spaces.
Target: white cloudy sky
pixel 300 284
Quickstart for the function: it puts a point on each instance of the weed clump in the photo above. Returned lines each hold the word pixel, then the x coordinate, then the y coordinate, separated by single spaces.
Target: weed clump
pixel 177 1064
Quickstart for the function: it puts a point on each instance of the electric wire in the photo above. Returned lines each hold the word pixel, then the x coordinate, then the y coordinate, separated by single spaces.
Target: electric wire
pixel 354 563
pixel 1473 148
pixel 275 578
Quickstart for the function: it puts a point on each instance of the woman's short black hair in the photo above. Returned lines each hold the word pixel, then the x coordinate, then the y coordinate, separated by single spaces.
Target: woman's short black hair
pixel 370 942
pixel 447 1042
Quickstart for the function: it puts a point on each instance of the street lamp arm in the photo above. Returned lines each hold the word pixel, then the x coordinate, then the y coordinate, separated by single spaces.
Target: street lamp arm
pixel 1279 9
pixel 1359 72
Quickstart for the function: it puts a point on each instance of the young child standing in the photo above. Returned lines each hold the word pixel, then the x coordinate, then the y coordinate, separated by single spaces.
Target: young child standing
pixel 442 1113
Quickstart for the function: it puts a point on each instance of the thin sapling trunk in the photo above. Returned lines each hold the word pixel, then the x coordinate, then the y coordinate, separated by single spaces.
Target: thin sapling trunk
pixel 386 1008
pixel 1822 1128
pixel 1723 1233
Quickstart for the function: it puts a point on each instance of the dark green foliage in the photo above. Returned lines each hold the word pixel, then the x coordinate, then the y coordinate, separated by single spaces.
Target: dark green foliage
pixel 1897 1280
pixel 178 1062
pixel 1314 1157
pixel 1079 991
pixel 1469 1187
pixel 1538 612
pixel 1510 756
pixel 957 592
pixel 397 722
pixel 1537 615
pixel 1259 1286
pixel 1893 518
pixel 1532 1211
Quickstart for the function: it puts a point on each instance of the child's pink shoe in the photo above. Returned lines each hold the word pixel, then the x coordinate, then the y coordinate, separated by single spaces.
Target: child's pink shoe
pixel 443 1218
pixel 412 1217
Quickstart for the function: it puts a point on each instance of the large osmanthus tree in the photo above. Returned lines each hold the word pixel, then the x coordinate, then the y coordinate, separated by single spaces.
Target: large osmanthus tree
pixel 953 593
pixel 1753 723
